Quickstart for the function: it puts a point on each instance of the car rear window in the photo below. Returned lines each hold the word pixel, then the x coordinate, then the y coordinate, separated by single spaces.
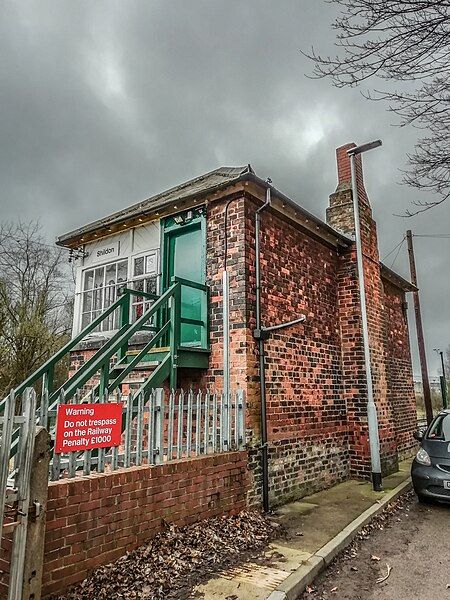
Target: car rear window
pixel 440 428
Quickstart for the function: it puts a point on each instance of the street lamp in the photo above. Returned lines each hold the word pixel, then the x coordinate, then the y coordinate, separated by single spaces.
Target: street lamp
pixel 372 418
pixel 442 378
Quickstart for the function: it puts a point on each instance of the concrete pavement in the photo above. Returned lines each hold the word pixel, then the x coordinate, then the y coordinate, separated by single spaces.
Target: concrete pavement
pixel 316 527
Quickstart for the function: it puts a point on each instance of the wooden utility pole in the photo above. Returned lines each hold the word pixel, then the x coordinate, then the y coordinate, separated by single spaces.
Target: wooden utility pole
pixel 419 329
pixel 443 379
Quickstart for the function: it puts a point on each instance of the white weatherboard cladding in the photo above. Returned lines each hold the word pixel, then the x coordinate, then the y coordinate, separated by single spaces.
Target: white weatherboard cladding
pixel 146 237
pixel 119 246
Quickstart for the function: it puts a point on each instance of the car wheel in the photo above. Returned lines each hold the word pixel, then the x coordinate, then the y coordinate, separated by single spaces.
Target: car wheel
pixel 424 499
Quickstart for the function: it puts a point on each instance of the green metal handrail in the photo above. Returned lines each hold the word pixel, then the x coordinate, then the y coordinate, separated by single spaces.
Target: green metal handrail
pixel 133 292
pixel 166 307
pixel 101 359
pixel 49 365
pixel 192 284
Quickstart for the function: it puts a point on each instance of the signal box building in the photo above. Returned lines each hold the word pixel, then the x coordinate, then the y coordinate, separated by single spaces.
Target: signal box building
pixel 315 376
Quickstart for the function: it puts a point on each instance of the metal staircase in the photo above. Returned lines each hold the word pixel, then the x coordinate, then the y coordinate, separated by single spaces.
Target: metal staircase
pixel 113 362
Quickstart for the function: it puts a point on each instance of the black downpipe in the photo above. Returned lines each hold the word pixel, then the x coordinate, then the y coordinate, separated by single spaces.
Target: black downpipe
pixel 262 369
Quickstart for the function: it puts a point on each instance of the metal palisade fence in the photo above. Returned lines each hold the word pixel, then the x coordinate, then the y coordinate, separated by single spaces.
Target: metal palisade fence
pixel 161 427
pixel 18 425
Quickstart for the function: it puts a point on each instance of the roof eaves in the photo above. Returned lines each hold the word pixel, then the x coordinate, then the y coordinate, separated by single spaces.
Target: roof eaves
pixel 162 200
pixel 397 279
pixel 321 225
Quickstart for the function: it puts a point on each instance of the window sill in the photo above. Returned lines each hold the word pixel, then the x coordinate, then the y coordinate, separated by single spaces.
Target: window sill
pixel 97 340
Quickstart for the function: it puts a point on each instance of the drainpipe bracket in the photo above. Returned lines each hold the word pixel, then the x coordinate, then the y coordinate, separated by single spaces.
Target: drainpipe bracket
pixel 261 334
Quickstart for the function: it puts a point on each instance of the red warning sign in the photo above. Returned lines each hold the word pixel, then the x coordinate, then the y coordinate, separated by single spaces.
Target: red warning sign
pixel 87 426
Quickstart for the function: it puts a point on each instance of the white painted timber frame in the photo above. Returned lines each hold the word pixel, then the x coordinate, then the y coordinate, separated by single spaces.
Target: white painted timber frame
pixel 133 243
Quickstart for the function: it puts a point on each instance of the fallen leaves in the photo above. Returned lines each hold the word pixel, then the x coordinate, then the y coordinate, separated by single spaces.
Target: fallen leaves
pixel 176 559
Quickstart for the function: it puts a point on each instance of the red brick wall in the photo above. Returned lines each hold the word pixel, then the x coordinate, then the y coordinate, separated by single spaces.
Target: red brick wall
pixel 96 519
pixel 238 297
pixel 307 429
pixel 399 367
pixel 354 383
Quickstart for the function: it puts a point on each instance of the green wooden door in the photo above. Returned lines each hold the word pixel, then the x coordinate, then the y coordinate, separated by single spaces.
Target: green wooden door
pixel 185 260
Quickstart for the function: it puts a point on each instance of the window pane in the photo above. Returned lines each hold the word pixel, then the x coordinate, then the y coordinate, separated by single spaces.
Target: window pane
pixel 98 299
pixel 87 301
pixel 111 274
pixel 95 314
pixel 110 295
pixel 122 271
pixel 151 263
pixel 187 261
pixel 103 284
pixel 88 280
pixel 138 266
pixel 185 258
pixel 150 285
pixel 440 429
pixel 98 279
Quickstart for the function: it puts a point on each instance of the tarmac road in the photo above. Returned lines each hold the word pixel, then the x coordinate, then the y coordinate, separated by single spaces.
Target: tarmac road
pixel 414 541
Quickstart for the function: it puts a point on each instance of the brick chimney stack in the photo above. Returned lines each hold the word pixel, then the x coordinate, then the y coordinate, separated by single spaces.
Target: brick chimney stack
pixel 340 212
pixel 340 217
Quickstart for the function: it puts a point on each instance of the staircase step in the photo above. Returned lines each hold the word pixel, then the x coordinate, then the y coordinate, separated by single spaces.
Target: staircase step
pixel 142 365
pixel 151 351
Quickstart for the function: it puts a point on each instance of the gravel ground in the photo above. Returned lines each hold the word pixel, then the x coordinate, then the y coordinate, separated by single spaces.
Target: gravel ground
pixel 177 559
pixel 411 541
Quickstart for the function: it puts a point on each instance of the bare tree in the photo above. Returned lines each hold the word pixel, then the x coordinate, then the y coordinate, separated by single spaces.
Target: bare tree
pixel 34 303
pixel 405 43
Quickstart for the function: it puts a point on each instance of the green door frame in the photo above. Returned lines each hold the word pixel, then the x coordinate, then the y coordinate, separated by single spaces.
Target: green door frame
pixel 169 229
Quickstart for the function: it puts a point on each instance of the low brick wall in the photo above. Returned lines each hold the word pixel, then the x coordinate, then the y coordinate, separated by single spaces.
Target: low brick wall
pixel 96 519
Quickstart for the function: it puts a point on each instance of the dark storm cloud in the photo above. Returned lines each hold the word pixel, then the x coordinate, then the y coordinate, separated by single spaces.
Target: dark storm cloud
pixel 106 103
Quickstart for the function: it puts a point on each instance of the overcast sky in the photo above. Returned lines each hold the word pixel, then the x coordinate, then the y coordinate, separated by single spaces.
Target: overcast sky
pixel 106 103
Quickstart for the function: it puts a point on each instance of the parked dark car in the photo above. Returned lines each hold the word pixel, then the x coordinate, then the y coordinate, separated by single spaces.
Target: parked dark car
pixel 430 470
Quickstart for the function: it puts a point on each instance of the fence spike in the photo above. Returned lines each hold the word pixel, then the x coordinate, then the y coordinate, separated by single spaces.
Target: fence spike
pixel 139 428
pixel 26 442
pixel 214 423
pixel 198 423
pixel 170 425
pixel 180 422
pixel 56 460
pixel 128 430
pixel 151 429
pixel 206 425
pixel 5 445
pixel 159 425
pixel 103 399
pixel 190 403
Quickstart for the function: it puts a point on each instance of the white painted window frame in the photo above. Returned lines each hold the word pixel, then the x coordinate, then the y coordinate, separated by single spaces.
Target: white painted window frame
pixel 79 285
